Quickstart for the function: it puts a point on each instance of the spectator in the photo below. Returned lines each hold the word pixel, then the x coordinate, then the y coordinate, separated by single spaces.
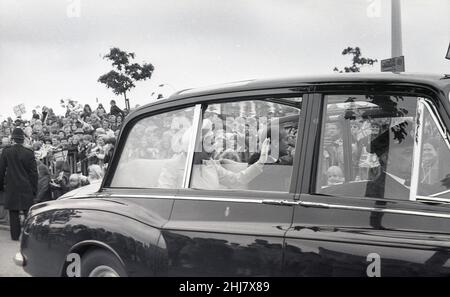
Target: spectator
pixel 95 173
pixel 115 110
pixel 44 192
pixel 74 181
pixel 87 111
pixel 60 181
pixel 335 176
pixel 35 115
pixel 97 152
pixel 5 143
pixel 100 111
pixel 72 136
pixel 44 114
pixel 119 120
pixel 110 144
pixel 106 128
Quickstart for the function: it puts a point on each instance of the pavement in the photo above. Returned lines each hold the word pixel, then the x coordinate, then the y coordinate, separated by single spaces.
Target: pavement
pixel 8 249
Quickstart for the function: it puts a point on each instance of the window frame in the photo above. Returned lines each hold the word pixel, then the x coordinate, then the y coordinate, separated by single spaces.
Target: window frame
pixel 124 137
pixel 425 100
pixel 274 98
pixel 168 106
pixel 422 105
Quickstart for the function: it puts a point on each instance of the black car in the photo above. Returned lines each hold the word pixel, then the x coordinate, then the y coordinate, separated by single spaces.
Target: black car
pixel 342 175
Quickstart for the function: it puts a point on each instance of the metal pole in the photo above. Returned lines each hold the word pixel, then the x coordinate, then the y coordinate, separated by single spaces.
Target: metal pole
pixel 396 29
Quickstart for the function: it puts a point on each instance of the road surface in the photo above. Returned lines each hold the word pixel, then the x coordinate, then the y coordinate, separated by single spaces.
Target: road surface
pixel 8 249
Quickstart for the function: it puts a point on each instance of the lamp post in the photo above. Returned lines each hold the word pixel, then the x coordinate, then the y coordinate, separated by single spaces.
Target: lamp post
pixel 396 29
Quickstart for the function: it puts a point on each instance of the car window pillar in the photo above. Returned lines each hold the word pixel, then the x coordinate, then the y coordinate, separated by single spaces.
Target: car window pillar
pixel 310 122
pixel 191 150
pixel 417 150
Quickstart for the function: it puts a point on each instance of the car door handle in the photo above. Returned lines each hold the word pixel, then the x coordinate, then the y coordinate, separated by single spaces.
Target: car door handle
pixel 280 202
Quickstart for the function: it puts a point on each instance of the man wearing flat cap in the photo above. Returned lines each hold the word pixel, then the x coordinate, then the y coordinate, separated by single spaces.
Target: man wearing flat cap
pixel 19 171
pixel 394 149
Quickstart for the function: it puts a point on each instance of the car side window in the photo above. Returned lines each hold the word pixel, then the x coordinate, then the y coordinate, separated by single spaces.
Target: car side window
pixel 434 164
pixel 155 152
pixel 366 146
pixel 246 145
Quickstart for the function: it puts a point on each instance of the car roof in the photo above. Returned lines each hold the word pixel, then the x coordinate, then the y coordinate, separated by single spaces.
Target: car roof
pixel 437 81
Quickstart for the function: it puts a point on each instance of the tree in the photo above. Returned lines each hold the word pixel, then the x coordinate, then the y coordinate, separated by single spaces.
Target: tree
pixel 121 79
pixel 357 60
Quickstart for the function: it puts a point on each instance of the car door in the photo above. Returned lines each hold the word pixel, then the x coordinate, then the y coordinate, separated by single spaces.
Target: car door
pixel 228 222
pixel 362 217
pixel 145 178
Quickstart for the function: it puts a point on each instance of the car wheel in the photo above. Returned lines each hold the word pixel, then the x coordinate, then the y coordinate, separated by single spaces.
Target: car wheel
pixel 101 263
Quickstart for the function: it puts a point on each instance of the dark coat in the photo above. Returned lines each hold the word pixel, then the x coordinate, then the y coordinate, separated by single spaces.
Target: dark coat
pixel 18 170
pixel 115 110
pixel 384 186
pixel 2 194
pixel 61 179
pixel 44 193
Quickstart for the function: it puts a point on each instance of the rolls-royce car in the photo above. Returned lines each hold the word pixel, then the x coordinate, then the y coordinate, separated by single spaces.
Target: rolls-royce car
pixel 340 175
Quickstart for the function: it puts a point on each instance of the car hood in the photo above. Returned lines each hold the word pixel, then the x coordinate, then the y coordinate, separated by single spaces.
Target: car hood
pixel 82 191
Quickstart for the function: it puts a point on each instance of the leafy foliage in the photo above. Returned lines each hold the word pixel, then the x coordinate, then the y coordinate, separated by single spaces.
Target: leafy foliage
pixel 357 60
pixel 118 82
pixel 121 79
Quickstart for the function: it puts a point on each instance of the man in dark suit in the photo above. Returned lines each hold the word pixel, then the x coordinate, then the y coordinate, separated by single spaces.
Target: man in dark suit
pixel 18 167
pixel 277 169
pixel 394 148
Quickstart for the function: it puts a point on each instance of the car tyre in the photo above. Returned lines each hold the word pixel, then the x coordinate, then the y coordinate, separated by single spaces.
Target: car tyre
pixel 101 263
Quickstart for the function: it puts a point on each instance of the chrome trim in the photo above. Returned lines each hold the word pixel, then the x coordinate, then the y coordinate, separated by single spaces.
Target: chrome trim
pixel 280 202
pixel 190 154
pixel 374 209
pixel 440 193
pixel 417 149
pixel 294 203
pixel 432 198
pixel 188 198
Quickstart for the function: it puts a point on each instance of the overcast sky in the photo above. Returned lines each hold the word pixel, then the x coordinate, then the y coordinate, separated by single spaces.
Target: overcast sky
pixel 52 49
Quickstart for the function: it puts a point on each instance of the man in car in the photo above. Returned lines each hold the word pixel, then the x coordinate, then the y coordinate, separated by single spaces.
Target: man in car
pixel 278 166
pixel 279 148
pixel 394 149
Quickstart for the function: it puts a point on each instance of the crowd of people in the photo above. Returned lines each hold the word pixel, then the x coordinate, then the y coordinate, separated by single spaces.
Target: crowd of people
pixel 71 150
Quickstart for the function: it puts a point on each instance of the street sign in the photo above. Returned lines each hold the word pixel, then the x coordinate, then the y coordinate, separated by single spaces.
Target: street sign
pixel 396 64
pixel 448 52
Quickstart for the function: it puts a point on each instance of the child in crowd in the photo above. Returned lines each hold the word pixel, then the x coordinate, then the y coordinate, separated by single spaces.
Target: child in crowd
pixel 335 176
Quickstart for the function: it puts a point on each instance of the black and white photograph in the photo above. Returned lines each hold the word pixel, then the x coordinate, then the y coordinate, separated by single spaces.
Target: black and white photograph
pixel 225 144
